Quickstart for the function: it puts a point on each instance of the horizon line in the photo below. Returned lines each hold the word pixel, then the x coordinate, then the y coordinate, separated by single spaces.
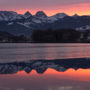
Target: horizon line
pixel 19 12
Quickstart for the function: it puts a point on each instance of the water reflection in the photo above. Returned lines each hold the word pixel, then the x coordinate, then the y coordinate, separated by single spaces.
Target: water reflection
pixel 40 66
pixel 50 80
pixel 30 67
pixel 70 74
pixel 63 74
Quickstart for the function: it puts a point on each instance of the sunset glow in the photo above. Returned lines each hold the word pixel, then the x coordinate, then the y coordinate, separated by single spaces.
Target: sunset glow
pixel 50 7
pixel 80 9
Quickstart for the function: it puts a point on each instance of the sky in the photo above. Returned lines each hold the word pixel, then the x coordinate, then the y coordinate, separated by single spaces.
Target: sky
pixel 50 7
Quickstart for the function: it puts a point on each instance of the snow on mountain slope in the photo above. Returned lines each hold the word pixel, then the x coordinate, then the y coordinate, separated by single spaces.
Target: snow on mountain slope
pixel 87 27
pixel 10 23
pixel 26 24
pixel 40 20
pixel 39 17
pixel 57 16
pixel 9 16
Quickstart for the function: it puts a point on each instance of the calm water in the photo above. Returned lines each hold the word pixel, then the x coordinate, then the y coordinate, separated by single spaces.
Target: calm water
pixel 51 79
pixel 22 52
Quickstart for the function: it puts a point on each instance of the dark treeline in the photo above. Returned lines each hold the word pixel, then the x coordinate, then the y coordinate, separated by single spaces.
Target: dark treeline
pixel 6 37
pixel 48 36
pixel 61 36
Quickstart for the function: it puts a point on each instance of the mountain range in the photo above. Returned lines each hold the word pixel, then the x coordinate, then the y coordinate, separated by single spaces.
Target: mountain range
pixel 60 65
pixel 19 24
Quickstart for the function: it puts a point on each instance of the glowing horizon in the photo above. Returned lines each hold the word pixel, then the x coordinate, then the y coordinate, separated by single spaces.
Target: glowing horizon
pixel 70 7
pixel 80 9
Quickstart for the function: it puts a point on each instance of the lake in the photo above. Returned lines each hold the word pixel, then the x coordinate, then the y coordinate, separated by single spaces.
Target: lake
pixel 22 51
pixel 25 66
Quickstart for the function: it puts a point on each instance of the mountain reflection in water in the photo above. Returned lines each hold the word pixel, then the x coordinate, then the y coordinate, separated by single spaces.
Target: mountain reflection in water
pixel 41 66
pixel 65 74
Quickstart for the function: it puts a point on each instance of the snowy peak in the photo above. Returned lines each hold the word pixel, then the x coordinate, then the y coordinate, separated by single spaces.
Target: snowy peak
pixel 27 14
pixel 60 15
pixel 9 15
pixel 41 14
pixel 8 12
pixel 57 16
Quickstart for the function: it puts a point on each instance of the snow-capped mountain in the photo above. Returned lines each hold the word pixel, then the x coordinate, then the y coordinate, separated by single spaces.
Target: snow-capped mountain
pixel 27 14
pixel 39 17
pixel 17 24
pixel 41 14
pixel 9 16
pixel 57 16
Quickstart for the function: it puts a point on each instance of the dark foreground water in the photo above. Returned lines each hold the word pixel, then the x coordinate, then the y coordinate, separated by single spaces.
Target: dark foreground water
pixel 44 67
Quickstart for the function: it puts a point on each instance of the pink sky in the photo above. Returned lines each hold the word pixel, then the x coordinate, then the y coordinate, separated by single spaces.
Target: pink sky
pixel 50 7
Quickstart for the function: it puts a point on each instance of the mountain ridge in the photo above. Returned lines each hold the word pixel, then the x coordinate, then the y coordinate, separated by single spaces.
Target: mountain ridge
pixel 18 24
